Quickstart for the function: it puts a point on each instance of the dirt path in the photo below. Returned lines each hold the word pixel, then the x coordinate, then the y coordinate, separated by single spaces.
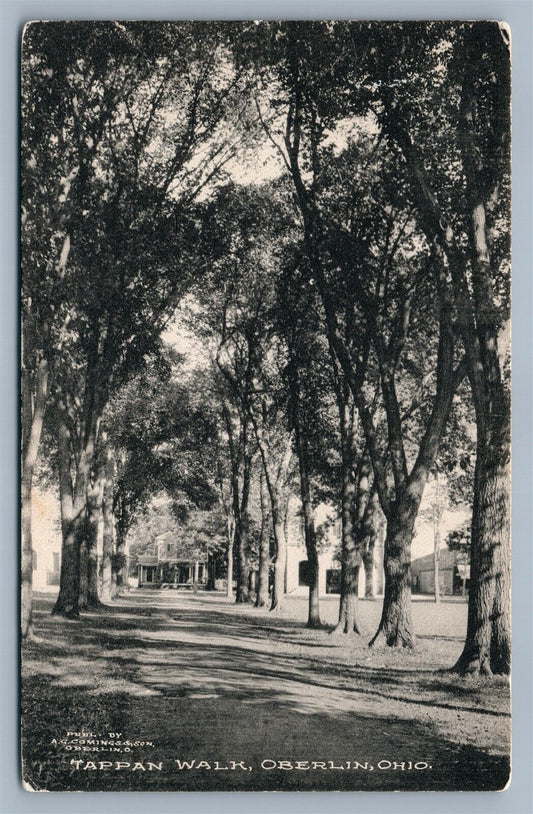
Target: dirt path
pixel 259 702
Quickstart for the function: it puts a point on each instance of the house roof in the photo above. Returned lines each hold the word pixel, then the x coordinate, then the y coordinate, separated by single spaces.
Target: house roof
pixel 147 559
pixel 152 559
pixel 447 559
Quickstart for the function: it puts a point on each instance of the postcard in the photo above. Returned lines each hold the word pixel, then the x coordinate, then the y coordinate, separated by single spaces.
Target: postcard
pixel 265 406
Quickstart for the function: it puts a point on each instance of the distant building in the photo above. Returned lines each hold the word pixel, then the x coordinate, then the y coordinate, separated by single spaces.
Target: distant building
pixel 454 574
pixel 329 573
pixel 46 568
pixel 46 541
pixel 167 568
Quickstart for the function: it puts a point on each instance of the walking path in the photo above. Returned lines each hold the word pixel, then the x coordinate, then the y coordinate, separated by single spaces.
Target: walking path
pixel 257 700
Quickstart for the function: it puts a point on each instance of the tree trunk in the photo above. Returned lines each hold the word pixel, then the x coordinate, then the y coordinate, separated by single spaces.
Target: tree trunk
pixel 73 500
pixel 230 527
pixel 368 563
pixel 351 551
pixel 30 441
pixel 396 626
pixel 313 613
pixel 72 525
pixel 84 569
pixel 261 600
pixel 348 605
pixel 95 498
pixel 242 527
pixel 488 646
pixel 351 555
pixel 67 603
pixel 276 477
pixel 108 540
pixel 210 584
pixel 119 576
pixel 280 561
pixel 370 532
pixel 93 600
pixel 243 569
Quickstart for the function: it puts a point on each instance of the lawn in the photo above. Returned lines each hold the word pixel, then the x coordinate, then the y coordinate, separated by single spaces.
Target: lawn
pixel 257 699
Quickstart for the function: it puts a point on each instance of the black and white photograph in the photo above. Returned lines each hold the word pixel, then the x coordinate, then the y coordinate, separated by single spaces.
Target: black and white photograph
pixel 265 405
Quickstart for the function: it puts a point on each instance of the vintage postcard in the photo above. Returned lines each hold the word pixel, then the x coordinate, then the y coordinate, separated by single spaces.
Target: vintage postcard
pixel 265 410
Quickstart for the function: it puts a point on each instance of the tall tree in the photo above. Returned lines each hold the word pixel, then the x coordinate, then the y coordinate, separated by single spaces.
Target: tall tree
pixel 460 186
pixel 263 576
pixel 388 275
pixel 160 435
pixel 246 230
pixel 125 164
pixel 309 406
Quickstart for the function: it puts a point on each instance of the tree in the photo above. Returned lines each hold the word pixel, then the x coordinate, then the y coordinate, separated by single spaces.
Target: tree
pixel 246 228
pixel 263 576
pixel 299 421
pixel 241 448
pixel 462 206
pixel 117 243
pixel 160 436
pixel 388 275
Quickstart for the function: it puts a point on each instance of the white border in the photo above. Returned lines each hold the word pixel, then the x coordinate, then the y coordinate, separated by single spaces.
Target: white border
pixel 518 799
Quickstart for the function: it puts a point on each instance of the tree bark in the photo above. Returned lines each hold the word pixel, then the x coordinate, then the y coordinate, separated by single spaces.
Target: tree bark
pixel 264 548
pixel 119 575
pixel 229 587
pixel 280 561
pixel 487 647
pixel 351 554
pixel 372 525
pixel 242 594
pixel 95 499
pixel 368 564
pixel 211 576
pixel 302 451
pixel 242 528
pixel 32 429
pixel 72 518
pixel 396 625
pixel 83 601
pixel 278 492
pixel 276 469
pixel 109 530
pixel 73 501
pixel 313 611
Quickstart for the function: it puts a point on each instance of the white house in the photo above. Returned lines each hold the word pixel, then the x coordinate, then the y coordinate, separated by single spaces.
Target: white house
pixel 46 541
pixel 328 564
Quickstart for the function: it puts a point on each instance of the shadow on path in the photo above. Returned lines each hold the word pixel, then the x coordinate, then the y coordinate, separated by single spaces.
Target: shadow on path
pixel 202 681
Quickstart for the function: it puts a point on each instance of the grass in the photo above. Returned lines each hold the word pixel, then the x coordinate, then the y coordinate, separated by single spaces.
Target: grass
pixel 202 678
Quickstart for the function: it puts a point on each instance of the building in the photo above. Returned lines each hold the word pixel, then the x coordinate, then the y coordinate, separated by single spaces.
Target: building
pixel 329 566
pixel 454 573
pixel 46 541
pixel 166 568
